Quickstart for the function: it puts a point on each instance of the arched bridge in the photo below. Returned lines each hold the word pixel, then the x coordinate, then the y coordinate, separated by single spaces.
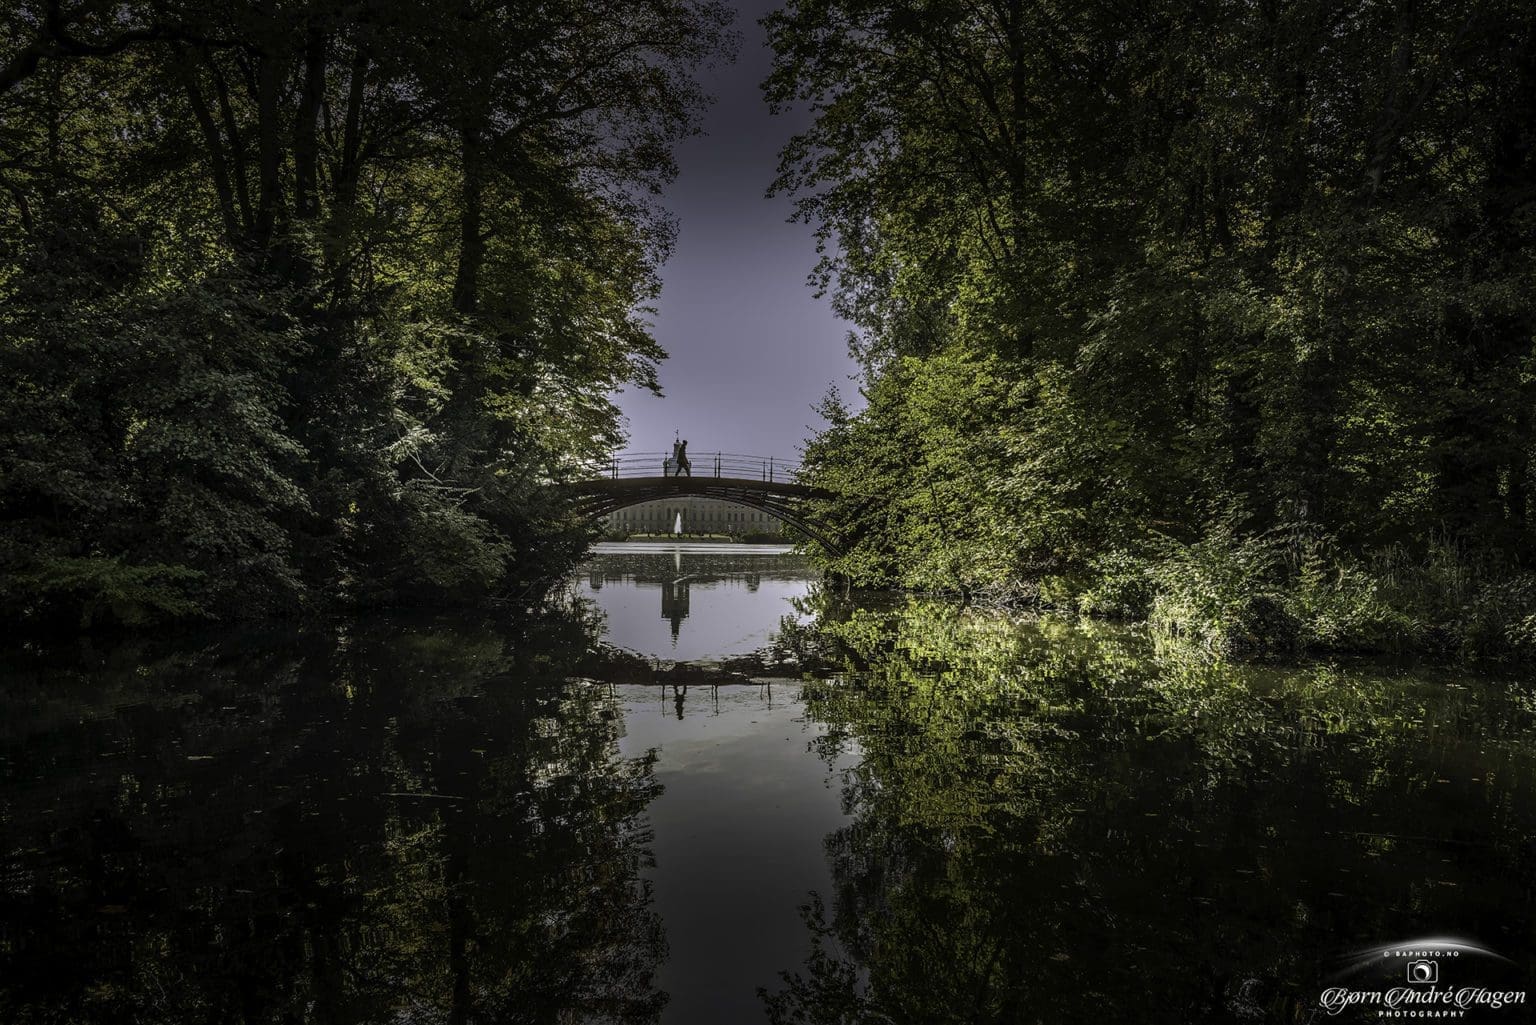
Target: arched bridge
pixel 766 483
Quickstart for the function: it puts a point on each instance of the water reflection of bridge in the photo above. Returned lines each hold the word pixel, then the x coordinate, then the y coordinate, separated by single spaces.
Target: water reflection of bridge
pixel 674 576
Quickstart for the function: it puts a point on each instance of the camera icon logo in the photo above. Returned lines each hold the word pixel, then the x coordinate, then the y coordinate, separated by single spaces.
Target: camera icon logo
pixel 1424 972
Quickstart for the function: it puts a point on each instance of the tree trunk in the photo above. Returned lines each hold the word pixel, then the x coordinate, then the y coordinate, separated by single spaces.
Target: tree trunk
pixel 466 284
pixel 306 150
pixel 271 70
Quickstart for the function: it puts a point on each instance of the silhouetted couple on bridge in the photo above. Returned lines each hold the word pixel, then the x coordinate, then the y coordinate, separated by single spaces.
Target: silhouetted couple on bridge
pixel 678 464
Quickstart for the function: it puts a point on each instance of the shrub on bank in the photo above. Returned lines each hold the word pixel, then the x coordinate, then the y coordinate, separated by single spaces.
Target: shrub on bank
pixel 1122 587
pixel 1346 604
pixel 1225 594
pixel 1243 597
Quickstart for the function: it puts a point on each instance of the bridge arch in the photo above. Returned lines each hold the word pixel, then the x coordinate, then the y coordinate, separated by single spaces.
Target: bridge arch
pixel 786 513
pixel 782 499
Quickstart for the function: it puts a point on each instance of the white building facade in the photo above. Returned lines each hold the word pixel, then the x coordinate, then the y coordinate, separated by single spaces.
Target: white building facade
pixel 700 516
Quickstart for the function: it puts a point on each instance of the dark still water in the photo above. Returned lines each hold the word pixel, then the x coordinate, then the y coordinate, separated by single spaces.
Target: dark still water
pixel 710 778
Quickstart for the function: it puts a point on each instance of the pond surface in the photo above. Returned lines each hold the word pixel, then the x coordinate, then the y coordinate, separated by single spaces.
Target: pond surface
pixel 712 792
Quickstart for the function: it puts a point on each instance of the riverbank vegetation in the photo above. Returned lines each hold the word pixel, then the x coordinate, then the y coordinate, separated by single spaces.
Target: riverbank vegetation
pixel 1218 316
pixel 306 303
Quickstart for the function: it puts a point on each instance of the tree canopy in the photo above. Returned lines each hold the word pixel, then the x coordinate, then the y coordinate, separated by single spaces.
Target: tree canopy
pixel 1128 276
pixel 306 300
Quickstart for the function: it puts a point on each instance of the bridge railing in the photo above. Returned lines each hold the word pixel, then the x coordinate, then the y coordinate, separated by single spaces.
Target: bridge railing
pixel 702 464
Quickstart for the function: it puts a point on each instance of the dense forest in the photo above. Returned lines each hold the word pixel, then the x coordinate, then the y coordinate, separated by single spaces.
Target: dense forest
pixel 305 302
pixel 1215 313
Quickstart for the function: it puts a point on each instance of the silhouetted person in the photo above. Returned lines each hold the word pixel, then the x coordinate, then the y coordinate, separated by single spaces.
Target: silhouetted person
pixel 675 464
pixel 683 465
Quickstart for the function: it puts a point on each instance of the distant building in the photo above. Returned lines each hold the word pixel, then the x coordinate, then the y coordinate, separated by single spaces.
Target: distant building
pixel 700 516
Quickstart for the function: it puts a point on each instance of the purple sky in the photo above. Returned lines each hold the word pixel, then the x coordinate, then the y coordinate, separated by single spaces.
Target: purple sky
pixel 751 348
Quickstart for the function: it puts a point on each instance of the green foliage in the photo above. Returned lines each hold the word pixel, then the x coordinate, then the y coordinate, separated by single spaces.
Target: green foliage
pixel 1250 596
pixel 1223 592
pixel 915 470
pixel 310 303
pixel 142 426
pixel 1118 586
pixel 1345 604
pixel 1210 274
pixel 106 589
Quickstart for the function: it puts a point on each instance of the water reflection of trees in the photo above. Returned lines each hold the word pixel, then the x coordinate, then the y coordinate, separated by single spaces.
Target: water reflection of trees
pixel 421 825
pixel 1057 824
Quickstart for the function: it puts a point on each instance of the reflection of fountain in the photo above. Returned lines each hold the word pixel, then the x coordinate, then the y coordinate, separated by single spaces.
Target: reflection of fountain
pixel 728 580
pixel 674 604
